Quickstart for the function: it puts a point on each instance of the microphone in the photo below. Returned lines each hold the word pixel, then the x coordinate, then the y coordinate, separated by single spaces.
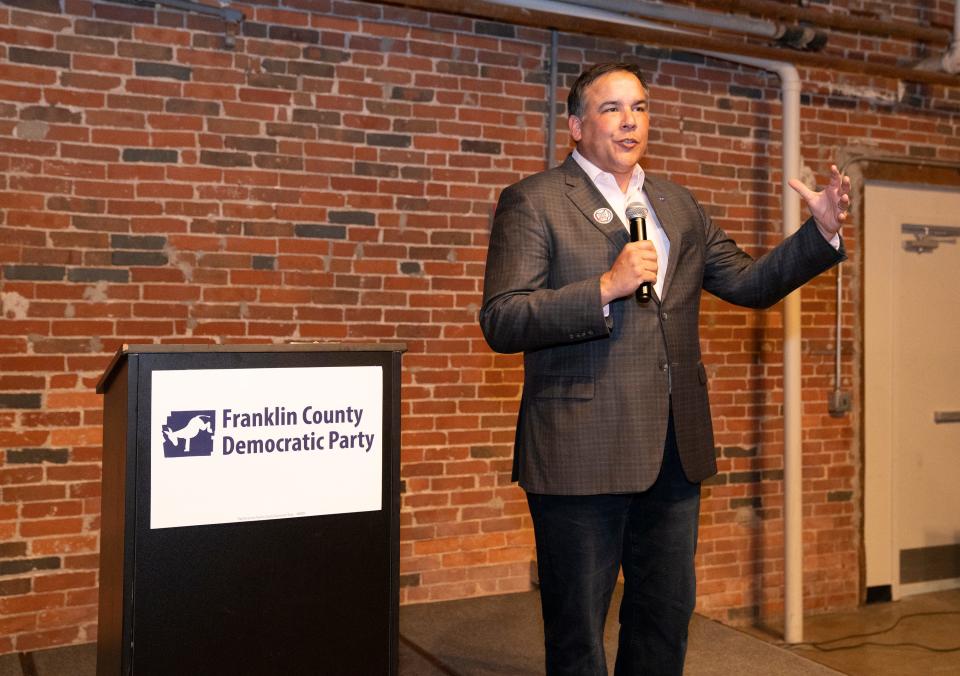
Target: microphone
pixel 637 213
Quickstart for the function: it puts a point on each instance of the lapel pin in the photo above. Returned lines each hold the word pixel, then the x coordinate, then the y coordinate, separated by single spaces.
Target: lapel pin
pixel 603 216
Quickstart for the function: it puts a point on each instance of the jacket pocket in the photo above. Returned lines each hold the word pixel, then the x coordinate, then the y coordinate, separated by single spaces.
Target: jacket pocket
pixel 562 387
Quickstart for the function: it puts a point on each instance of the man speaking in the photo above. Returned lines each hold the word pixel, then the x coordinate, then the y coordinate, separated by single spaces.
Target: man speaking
pixel 614 433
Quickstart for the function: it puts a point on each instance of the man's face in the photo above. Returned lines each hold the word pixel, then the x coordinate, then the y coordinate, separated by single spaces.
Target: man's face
pixel 612 132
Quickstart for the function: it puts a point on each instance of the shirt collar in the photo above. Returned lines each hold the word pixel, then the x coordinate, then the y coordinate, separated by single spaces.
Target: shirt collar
pixel 596 174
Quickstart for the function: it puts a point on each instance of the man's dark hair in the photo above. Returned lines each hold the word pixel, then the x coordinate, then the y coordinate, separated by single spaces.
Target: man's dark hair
pixel 589 76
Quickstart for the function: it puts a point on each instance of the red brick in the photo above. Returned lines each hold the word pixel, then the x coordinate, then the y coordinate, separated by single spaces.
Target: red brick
pixel 81 562
pixel 61 508
pixel 83 597
pixel 20 475
pixel 44 527
pixel 31 439
pixel 64 581
pixel 13 605
pixel 65 545
pixel 18 624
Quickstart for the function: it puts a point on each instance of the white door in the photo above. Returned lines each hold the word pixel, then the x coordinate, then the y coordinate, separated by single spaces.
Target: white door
pixel 912 387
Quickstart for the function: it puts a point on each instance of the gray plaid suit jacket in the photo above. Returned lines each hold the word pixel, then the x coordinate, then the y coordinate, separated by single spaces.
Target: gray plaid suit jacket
pixel 597 390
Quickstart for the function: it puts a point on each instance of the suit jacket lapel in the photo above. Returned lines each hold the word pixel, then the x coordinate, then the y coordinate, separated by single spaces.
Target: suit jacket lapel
pixel 585 196
pixel 668 218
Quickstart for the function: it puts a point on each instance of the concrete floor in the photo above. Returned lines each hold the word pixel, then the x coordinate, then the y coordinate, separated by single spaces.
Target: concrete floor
pixel 916 636
pixel 501 635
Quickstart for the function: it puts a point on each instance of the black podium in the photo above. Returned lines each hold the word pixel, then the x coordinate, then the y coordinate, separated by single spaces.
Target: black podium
pixel 250 516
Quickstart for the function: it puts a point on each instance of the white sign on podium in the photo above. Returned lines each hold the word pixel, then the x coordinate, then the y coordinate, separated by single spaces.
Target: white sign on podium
pixel 231 445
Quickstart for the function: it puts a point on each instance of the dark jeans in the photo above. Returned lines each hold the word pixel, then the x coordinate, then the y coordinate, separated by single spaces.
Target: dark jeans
pixel 582 542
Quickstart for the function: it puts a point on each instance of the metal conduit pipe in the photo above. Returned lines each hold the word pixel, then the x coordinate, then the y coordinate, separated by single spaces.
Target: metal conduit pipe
pixel 685 15
pixel 225 13
pixel 552 98
pixel 792 395
pixel 798 37
pixel 948 61
pixel 951 60
pixel 840 21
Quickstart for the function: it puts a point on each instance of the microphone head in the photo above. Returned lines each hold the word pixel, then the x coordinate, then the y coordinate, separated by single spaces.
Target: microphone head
pixel 636 210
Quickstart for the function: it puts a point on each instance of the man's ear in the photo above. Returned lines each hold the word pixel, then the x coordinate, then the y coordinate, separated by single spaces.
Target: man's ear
pixel 575 126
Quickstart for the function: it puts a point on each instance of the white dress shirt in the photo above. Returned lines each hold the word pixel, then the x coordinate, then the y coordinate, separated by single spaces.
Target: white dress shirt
pixel 618 200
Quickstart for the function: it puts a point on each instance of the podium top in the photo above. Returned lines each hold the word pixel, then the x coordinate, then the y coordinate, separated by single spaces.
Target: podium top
pixel 154 348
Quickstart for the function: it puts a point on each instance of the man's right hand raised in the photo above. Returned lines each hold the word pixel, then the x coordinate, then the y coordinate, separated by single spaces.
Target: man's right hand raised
pixel 636 264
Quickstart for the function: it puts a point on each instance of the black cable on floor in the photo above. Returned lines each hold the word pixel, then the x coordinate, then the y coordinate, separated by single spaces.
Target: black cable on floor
pixel 820 645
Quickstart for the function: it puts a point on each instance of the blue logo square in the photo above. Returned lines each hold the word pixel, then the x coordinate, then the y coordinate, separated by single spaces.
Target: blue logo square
pixel 189 434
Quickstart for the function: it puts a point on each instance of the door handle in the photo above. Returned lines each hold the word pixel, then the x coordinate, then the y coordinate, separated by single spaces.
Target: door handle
pixel 940 417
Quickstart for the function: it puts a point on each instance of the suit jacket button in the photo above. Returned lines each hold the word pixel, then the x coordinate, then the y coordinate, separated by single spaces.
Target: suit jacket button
pixel 665 316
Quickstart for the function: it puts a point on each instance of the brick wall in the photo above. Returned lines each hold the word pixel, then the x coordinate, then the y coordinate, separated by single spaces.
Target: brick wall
pixel 332 177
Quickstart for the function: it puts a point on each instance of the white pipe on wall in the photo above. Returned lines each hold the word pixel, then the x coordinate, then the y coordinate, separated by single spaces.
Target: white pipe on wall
pixel 790 88
pixel 792 381
pixel 792 394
